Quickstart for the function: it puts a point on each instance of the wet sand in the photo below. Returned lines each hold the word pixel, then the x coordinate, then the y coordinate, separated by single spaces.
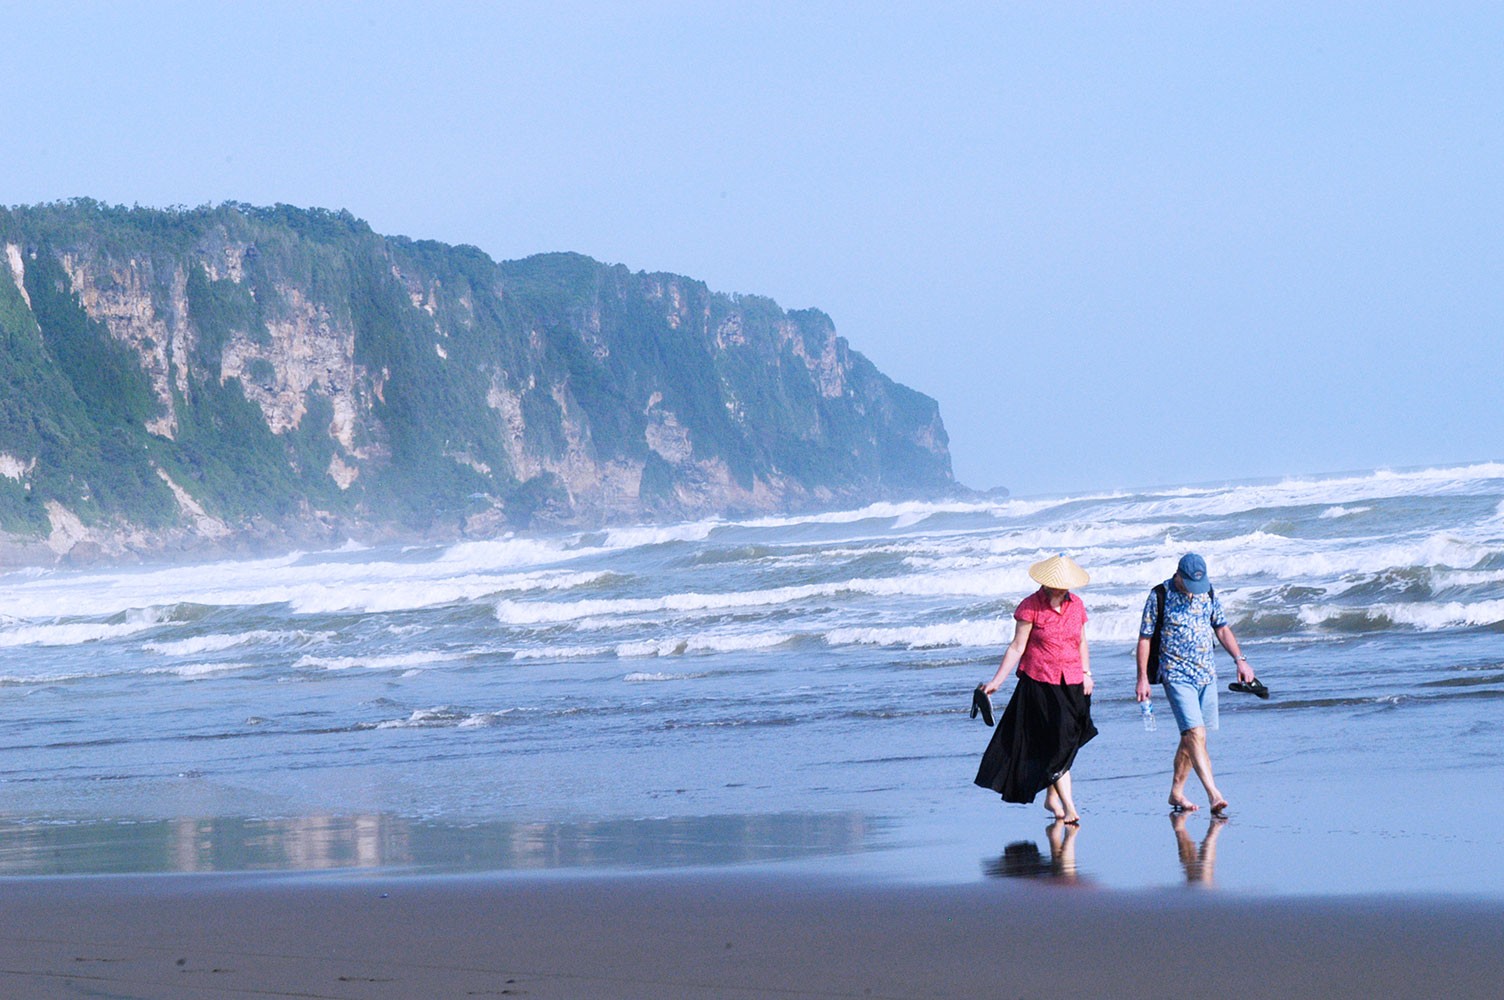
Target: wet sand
pixel 720 934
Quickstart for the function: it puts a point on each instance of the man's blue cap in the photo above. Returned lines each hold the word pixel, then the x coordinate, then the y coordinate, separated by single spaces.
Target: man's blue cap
pixel 1192 570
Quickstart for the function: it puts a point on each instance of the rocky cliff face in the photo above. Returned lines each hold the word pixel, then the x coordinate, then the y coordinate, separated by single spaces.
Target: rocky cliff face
pixel 227 376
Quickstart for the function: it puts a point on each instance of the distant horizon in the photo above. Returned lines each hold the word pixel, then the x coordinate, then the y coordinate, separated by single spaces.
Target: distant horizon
pixel 1295 477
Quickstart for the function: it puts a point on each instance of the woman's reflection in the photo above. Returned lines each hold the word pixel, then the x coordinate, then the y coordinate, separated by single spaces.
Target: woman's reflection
pixel 1022 858
pixel 1199 862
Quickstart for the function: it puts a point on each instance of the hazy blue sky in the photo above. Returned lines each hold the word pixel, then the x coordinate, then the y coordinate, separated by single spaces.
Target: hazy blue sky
pixel 1122 244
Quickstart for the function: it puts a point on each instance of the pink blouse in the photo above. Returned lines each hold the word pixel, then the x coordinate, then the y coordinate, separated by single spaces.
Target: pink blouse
pixel 1053 654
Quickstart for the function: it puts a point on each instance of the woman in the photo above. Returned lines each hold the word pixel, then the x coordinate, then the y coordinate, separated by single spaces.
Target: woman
pixel 1049 716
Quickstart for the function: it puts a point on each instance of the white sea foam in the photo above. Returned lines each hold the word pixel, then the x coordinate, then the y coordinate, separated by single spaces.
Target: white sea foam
pixel 652 647
pixel 872 512
pixel 954 584
pixel 1261 556
pixel 1301 492
pixel 308 588
pixel 472 570
pixel 636 537
pixel 1451 614
pixel 395 661
pixel 702 644
pixel 70 634
pixel 1127 542
pixel 195 670
pixel 1006 581
pixel 649 678
pixel 446 717
pixel 1442 580
pixel 199 645
pixel 698 644
pixel 509 553
pixel 386 594
pixel 27 680
pixel 1115 630
pixel 1424 616
pixel 905 514
pixel 478 720
pixel 512 612
pixel 741 643
pixel 1117 626
pixel 990 632
pixel 563 652
pixel 1074 536
pixel 1011 549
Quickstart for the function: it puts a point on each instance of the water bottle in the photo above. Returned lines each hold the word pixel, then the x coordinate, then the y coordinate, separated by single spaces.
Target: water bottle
pixel 1146 709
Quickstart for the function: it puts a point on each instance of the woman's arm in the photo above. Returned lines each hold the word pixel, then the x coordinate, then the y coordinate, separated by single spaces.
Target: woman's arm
pixel 1011 656
pixel 1086 682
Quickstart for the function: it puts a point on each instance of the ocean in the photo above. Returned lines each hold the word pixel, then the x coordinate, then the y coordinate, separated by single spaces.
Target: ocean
pixel 780 691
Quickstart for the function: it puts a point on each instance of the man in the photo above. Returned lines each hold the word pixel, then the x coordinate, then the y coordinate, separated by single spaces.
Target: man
pixel 1192 617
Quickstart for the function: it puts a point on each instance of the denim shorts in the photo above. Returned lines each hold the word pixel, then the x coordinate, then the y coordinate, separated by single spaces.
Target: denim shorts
pixel 1193 704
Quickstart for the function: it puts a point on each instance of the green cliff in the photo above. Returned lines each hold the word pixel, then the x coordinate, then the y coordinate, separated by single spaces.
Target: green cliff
pixel 219 378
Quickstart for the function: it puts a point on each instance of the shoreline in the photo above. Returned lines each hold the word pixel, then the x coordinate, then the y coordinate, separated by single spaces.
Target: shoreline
pixel 713 934
pixel 1288 837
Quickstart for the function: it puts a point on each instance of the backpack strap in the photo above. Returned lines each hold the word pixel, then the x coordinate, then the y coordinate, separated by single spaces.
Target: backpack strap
pixel 1159 624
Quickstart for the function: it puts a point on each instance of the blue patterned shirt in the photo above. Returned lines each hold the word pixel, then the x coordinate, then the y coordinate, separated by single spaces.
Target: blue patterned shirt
pixel 1187 642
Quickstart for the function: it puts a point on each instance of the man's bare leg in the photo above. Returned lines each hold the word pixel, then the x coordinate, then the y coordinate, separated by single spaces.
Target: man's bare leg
pixel 1191 755
pixel 1180 772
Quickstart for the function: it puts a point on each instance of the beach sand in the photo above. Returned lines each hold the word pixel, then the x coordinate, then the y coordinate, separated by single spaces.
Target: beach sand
pixel 720 935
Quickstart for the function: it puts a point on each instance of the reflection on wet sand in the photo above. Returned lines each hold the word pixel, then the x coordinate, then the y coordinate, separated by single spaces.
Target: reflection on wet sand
pixel 1022 858
pixel 311 843
pixel 1199 862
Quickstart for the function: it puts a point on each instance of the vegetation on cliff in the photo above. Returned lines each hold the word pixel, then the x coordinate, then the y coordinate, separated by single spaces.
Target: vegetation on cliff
pixel 200 371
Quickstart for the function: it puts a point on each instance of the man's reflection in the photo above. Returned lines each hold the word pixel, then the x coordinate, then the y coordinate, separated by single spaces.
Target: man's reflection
pixel 1199 862
pixel 1022 858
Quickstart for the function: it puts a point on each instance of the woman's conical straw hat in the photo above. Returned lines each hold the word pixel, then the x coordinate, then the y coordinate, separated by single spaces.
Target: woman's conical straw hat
pixel 1059 572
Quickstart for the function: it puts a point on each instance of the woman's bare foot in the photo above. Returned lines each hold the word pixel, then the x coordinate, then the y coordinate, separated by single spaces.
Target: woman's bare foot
pixel 1053 804
pixel 1219 808
pixel 1072 820
pixel 1180 803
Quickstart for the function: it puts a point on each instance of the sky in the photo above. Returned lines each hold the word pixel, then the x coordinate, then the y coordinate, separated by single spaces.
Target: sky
pixel 1123 245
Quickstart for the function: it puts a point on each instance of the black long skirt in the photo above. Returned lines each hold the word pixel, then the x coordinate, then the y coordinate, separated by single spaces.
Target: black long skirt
pixel 1037 739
